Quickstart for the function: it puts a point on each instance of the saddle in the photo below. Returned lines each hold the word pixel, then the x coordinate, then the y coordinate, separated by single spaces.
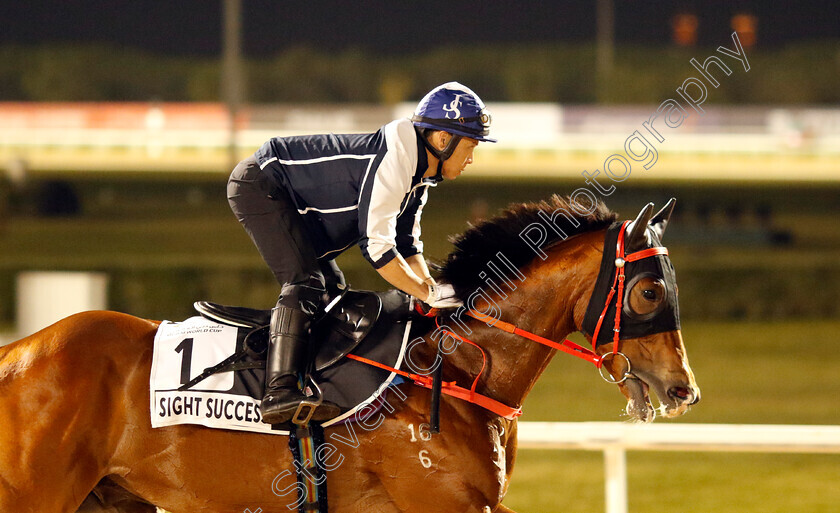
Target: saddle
pixel 340 328
pixel 336 330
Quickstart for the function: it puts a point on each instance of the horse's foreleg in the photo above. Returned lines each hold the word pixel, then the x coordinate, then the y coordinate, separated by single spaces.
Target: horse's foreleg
pixel 108 497
pixel 37 475
pixel 93 505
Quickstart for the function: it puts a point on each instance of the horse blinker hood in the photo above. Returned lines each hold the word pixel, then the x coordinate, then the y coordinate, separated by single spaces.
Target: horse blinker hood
pixel 654 273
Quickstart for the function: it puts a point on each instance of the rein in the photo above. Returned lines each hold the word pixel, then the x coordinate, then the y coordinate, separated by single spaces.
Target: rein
pixel 567 346
pixel 451 389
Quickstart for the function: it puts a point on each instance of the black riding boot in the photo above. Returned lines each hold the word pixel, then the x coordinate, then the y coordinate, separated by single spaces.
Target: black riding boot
pixel 287 357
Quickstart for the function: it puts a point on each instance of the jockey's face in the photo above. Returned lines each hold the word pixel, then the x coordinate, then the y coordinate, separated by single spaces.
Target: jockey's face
pixel 461 157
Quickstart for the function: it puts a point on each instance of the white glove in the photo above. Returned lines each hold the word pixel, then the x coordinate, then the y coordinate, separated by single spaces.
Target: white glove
pixel 442 296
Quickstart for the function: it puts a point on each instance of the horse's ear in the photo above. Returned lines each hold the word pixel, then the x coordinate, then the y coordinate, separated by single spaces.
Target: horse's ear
pixel 636 231
pixel 660 220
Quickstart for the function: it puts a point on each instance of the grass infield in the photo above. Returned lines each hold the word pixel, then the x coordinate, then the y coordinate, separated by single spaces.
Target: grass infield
pixel 749 373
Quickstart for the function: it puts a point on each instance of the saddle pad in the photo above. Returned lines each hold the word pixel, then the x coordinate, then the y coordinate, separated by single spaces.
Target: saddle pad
pixel 230 400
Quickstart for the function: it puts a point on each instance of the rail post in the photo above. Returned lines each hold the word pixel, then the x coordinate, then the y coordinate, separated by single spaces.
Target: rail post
pixel 615 484
pixel 44 297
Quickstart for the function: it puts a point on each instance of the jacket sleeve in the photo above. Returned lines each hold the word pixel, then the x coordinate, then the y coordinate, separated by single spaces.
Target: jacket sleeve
pixel 408 227
pixel 380 201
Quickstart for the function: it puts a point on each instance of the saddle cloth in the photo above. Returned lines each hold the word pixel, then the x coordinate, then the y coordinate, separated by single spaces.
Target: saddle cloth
pixel 230 400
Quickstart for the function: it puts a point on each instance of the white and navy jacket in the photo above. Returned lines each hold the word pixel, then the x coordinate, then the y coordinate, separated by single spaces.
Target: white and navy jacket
pixel 355 188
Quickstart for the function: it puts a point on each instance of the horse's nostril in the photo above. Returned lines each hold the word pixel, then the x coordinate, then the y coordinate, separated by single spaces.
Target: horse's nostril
pixel 683 395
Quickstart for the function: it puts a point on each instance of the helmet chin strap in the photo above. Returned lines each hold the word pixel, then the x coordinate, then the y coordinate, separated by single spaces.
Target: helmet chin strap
pixel 443 154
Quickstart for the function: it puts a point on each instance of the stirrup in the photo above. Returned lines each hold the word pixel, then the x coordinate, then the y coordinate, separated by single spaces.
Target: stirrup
pixel 308 406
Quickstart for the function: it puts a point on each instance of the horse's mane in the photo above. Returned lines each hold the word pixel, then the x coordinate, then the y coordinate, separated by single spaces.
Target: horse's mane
pixel 481 243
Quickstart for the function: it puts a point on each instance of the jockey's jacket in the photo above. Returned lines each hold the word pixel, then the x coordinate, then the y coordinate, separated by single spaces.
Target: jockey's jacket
pixel 365 189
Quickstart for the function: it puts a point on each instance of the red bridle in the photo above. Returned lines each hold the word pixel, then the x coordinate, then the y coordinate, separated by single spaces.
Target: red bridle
pixel 617 290
pixel 567 346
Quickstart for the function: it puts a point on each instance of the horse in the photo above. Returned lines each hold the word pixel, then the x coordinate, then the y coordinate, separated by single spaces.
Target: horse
pixel 75 432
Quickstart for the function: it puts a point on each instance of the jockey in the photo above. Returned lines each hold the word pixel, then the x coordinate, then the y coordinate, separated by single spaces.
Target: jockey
pixel 305 199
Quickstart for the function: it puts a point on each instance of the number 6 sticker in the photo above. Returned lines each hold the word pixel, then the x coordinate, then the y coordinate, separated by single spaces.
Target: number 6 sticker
pixel 424 459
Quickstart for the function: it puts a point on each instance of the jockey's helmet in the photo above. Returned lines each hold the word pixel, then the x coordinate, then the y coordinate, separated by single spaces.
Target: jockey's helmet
pixel 454 108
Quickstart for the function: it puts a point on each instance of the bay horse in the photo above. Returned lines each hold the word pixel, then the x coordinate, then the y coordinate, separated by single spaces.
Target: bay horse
pixel 75 429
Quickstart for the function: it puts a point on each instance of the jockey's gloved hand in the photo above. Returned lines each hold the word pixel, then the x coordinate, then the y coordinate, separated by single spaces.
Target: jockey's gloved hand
pixel 442 295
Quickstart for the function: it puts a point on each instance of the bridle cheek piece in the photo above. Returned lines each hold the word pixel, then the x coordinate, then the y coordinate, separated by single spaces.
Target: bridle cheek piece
pixel 617 290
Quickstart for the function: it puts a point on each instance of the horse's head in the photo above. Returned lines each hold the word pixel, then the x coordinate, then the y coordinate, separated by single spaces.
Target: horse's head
pixel 523 268
pixel 633 318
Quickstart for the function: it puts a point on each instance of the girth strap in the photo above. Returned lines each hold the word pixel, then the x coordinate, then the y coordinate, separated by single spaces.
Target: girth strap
pixel 304 442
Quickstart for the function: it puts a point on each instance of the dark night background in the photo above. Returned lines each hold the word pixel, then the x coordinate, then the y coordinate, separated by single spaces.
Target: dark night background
pixel 192 27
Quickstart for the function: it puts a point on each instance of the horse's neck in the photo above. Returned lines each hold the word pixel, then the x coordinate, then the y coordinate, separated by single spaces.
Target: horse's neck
pixel 547 303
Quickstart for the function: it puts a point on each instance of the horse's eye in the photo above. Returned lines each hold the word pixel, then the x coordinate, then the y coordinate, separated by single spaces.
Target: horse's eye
pixel 646 296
